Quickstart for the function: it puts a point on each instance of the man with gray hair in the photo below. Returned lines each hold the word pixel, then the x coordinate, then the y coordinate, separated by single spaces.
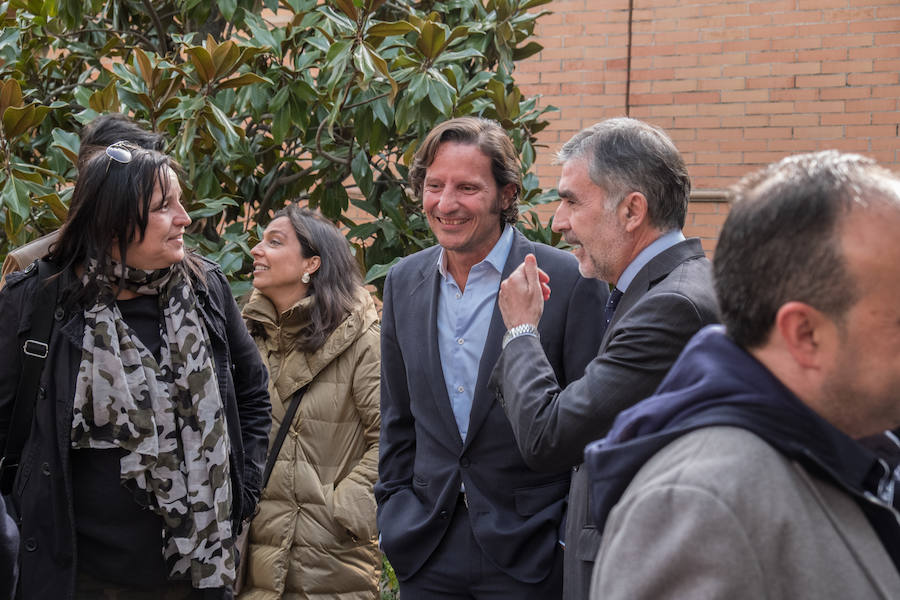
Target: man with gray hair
pixel 624 193
pixel 742 477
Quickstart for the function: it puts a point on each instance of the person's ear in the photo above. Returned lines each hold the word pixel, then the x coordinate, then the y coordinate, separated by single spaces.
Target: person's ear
pixel 507 195
pixel 807 333
pixel 633 211
pixel 313 263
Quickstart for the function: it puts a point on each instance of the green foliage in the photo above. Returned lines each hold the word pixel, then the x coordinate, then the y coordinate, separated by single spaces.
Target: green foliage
pixel 325 103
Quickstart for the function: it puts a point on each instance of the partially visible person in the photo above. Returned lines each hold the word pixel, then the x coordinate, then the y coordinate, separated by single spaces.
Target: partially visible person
pixel 461 513
pixel 9 551
pixel 148 442
pixel 316 326
pixel 100 132
pixel 624 193
pixel 741 477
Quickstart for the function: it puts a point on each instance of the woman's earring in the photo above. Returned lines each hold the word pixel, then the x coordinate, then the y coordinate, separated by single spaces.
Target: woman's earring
pixel 305 278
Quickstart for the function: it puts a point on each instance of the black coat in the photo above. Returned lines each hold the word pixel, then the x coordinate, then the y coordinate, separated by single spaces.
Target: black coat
pixel 42 493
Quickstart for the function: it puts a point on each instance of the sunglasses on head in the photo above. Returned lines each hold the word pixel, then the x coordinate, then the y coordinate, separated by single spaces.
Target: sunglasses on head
pixel 119 152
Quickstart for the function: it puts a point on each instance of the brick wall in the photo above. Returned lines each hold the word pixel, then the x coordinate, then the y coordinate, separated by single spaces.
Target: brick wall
pixel 737 84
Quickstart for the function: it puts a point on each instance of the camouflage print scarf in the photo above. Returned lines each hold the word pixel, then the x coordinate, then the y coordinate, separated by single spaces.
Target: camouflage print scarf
pixel 167 415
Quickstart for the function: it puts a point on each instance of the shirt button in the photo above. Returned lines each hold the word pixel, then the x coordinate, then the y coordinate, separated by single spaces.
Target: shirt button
pixel 460 341
pixel 460 389
pixel 458 295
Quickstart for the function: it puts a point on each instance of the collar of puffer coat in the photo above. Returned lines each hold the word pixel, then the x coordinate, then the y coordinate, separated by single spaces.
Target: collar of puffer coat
pixel 290 368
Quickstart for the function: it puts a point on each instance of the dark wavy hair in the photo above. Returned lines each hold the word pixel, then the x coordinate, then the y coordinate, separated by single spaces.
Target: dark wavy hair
pixel 490 138
pixel 115 127
pixel 337 281
pixel 110 207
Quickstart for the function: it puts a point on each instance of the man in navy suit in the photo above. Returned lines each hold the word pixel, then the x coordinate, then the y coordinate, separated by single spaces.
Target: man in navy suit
pixel 624 189
pixel 461 514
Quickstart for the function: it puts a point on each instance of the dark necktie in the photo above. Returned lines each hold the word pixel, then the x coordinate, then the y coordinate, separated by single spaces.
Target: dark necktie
pixel 611 303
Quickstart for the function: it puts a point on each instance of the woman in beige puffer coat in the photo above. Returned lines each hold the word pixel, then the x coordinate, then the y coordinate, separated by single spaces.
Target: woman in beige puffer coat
pixel 315 535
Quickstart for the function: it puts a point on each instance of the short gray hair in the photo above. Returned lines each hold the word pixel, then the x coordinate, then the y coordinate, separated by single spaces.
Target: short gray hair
pixel 626 155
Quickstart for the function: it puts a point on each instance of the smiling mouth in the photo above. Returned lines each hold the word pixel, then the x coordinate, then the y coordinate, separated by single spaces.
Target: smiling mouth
pixel 451 222
pixel 260 268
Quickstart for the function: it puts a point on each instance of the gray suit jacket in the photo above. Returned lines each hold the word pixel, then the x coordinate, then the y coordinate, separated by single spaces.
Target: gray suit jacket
pixel 515 512
pixel 719 513
pixel 668 301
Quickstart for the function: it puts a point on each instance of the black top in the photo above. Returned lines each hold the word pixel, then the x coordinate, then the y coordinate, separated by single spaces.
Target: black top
pixel 118 540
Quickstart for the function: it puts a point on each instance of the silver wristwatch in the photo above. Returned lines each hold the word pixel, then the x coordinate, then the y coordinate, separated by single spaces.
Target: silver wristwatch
pixel 518 331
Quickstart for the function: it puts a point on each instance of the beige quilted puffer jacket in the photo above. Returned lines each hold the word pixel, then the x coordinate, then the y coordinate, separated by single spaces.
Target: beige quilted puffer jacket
pixel 315 535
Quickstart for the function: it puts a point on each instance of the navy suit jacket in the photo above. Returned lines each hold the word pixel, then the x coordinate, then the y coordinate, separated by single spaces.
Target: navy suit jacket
pixel 669 300
pixel 515 512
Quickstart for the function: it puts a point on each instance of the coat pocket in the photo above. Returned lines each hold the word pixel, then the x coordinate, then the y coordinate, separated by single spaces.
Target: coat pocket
pixel 531 500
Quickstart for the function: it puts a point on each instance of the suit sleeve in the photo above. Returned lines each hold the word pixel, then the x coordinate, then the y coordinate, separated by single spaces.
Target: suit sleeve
pixel 553 425
pixel 687 538
pixel 398 435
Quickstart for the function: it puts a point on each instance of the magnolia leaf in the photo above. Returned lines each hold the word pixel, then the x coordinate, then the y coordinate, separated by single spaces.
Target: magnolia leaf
pixel 242 80
pixel 10 95
pixel 202 62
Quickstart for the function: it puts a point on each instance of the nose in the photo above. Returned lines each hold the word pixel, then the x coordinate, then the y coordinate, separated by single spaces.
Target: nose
pixel 447 199
pixel 560 219
pixel 256 251
pixel 182 217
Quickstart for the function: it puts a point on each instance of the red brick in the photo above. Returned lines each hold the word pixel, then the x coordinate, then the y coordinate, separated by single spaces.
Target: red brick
pixel 876 52
pixel 830 132
pixel 886 118
pixel 798 68
pixel 796 120
pixel 848 41
pixel 871 131
pixel 745 96
pixel 770 82
pixel 767 132
pixel 730 83
pixel 873 104
pixel 844 93
pixel 793 95
pixel 796 43
pixel 775 6
pixel 822 54
pixel 697 97
pixel 847 118
pixel 881 78
pixel 821 80
pixel 820 107
pixel 770 57
pixel 822 29
pixel 848 66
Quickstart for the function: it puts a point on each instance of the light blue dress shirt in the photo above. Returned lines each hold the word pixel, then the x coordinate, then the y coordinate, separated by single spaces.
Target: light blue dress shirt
pixel 658 246
pixel 463 320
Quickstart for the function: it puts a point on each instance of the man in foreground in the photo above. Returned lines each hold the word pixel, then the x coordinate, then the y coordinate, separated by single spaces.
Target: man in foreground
pixel 742 476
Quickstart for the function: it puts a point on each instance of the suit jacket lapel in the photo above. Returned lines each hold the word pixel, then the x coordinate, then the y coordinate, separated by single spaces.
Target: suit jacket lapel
pixel 483 400
pixel 657 269
pixel 422 308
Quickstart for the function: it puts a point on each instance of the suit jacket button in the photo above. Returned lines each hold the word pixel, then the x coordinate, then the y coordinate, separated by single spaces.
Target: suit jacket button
pixel 31 544
pixel 464 461
pixel 444 514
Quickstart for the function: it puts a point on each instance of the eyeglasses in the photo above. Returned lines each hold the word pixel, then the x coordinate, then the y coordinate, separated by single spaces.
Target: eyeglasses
pixel 118 152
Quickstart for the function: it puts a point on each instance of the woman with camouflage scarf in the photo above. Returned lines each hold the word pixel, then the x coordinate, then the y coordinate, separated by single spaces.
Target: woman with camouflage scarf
pixel 150 432
pixel 316 326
